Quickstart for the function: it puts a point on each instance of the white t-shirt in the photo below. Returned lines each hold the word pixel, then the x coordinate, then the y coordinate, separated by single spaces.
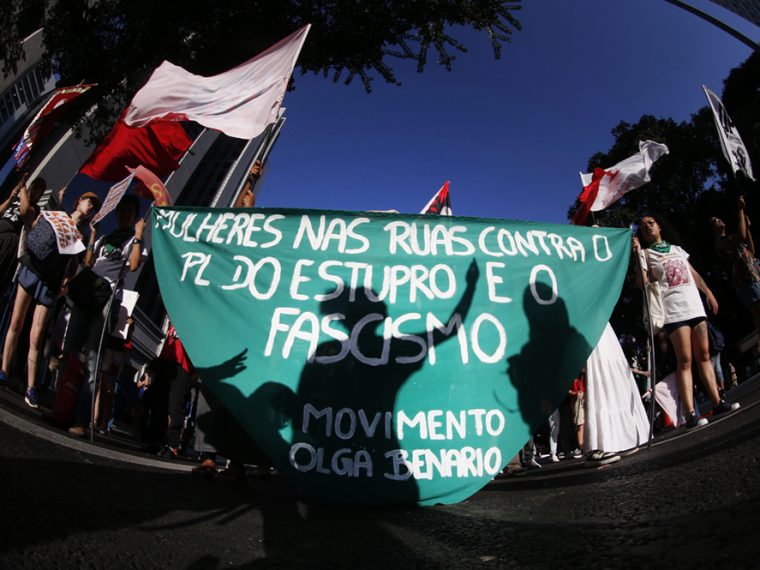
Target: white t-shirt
pixel 680 296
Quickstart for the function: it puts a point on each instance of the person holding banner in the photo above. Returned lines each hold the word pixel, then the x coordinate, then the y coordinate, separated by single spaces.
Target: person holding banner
pixel 12 221
pixel 52 245
pixel 685 318
pixel 737 252
pixel 105 262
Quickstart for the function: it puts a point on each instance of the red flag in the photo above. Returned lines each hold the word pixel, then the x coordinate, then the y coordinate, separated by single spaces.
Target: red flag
pixel 440 203
pixel 587 198
pixel 44 120
pixel 158 146
pixel 152 187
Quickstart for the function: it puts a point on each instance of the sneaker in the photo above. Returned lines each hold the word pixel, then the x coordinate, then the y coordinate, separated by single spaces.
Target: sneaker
pixel 533 464
pixel 561 455
pixel 577 454
pixel 169 452
pixel 554 457
pixel 695 421
pixel 3 378
pixel 724 407
pixel 31 398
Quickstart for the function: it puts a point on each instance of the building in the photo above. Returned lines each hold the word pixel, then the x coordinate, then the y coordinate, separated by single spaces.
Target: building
pixel 212 173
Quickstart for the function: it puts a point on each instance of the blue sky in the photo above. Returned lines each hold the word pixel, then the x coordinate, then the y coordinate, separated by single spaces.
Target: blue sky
pixel 511 134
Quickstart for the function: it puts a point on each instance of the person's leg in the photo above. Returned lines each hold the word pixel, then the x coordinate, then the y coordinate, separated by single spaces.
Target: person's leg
pixel 553 432
pixel 20 308
pixel 681 341
pixel 83 412
pixel 701 351
pixel 36 335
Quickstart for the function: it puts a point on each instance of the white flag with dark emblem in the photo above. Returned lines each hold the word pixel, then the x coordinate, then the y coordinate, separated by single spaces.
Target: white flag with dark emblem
pixel 732 144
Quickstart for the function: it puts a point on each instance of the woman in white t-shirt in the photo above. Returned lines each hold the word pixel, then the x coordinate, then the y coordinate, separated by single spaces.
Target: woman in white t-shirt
pixel 685 318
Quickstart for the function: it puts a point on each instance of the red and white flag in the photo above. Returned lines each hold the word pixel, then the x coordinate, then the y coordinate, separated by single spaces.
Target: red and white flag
pixel 240 102
pixel 733 147
pixel 44 120
pixel 152 187
pixel 604 187
pixel 440 203
pixel 114 196
pixel 159 146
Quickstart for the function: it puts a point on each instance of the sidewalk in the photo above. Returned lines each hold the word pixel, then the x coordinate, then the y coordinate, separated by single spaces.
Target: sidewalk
pixel 747 394
pixel 121 446
pixel 118 445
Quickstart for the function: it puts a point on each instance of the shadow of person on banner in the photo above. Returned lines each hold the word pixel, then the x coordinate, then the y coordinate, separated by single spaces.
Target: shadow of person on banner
pixel 345 449
pixel 546 365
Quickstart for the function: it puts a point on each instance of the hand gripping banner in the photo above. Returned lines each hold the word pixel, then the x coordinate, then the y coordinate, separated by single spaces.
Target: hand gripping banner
pixel 381 358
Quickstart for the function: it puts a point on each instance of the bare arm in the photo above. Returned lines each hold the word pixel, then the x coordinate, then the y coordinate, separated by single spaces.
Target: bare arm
pixel 135 249
pixel 712 303
pixel 27 210
pixel 89 254
pixel 7 203
pixel 639 274
pixel 246 199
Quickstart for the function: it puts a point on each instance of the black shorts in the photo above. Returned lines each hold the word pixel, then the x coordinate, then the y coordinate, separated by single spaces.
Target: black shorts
pixel 691 323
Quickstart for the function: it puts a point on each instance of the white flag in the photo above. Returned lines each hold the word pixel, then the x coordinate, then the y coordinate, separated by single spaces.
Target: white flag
pixel 730 141
pixel 632 173
pixel 240 102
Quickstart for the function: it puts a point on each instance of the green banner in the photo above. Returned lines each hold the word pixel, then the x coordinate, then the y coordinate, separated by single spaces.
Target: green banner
pixel 380 358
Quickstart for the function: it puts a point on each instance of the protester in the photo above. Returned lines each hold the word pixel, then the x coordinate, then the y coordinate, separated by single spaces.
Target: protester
pixel 12 222
pixel 113 356
pixel 42 278
pixel 105 263
pixel 737 252
pixel 155 402
pixel 216 431
pixel 685 318
pixel 578 394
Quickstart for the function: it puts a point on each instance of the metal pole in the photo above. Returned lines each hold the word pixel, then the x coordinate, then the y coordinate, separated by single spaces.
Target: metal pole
pixel 652 366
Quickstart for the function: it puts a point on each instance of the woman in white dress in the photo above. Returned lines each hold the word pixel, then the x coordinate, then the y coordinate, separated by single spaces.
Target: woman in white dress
pixel 615 416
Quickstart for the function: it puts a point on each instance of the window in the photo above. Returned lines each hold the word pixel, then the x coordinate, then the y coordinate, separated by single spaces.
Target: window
pixel 4 112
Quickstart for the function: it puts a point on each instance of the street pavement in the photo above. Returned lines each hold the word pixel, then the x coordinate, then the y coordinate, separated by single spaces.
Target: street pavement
pixel 691 500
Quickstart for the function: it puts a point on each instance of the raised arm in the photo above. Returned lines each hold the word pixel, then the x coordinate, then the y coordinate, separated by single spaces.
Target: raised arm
pixel 135 248
pixel 247 199
pixel 463 307
pixel 7 203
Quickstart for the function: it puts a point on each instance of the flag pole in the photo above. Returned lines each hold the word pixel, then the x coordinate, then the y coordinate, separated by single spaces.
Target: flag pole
pixel 652 362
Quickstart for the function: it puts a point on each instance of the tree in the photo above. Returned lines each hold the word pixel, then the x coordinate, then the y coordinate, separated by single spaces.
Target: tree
pixel 679 179
pixel 688 186
pixel 118 43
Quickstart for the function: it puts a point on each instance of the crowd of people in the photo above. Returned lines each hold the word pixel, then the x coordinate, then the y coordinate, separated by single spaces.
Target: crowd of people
pixel 604 414
pixel 49 269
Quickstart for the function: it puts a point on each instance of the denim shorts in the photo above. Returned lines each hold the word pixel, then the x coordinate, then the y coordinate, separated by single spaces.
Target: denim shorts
pixel 33 285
